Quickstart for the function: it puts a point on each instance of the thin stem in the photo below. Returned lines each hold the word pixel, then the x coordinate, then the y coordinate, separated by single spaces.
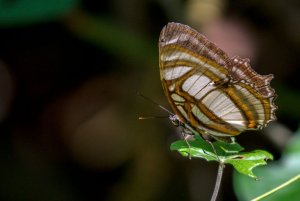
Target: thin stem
pixel 277 188
pixel 218 182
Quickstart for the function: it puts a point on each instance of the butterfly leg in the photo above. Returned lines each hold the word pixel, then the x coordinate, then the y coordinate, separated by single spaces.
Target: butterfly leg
pixel 186 135
pixel 214 149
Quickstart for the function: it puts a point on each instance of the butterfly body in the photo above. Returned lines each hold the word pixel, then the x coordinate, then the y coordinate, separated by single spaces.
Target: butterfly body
pixel 214 94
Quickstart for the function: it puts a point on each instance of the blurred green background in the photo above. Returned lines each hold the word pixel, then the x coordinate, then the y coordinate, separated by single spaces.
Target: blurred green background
pixel 69 72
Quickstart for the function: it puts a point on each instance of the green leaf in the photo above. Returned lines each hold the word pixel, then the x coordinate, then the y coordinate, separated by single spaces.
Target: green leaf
pixel 273 175
pixel 226 153
pixel 193 150
pixel 245 162
pixel 22 12
pixel 228 148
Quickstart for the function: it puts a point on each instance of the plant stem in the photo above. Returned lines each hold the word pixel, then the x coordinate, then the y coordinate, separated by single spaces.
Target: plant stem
pixel 277 188
pixel 218 181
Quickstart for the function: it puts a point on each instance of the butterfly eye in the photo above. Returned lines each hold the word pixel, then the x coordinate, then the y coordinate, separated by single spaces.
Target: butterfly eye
pixel 175 121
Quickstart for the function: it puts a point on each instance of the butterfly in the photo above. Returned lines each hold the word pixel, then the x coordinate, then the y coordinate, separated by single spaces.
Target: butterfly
pixel 208 91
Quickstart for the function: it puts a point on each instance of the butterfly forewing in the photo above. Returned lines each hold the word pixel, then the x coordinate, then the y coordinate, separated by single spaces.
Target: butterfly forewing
pixel 214 94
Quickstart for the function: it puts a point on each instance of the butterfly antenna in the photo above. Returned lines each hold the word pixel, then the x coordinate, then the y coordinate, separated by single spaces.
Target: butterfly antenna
pixel 153 102
pixel 154 117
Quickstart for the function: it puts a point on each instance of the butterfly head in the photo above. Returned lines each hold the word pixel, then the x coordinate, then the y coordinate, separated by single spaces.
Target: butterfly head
pixel 175 120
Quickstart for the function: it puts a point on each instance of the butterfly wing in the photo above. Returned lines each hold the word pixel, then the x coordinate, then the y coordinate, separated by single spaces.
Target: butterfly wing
pixel 207 89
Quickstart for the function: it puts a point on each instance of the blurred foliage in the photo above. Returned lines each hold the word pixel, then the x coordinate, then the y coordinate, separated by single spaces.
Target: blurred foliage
pixel 288 101
pixel 26 12
pixel 273 175
pixel 110 35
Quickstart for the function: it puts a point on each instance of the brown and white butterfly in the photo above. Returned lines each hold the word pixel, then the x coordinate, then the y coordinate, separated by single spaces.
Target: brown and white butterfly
pixel 210 92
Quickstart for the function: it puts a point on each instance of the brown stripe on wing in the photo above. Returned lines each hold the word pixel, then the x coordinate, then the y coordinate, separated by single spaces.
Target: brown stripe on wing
pixel 245 106
pixel 241 70
pixel 219 125
pixel 266 103
pixel 168 50
pixel 189 38
pixel 217 128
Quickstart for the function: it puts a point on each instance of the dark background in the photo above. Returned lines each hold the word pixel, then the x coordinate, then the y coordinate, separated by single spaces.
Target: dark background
pixel 69 72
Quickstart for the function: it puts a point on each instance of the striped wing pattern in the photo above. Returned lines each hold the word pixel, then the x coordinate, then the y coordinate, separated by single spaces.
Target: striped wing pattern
pixel 213 93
